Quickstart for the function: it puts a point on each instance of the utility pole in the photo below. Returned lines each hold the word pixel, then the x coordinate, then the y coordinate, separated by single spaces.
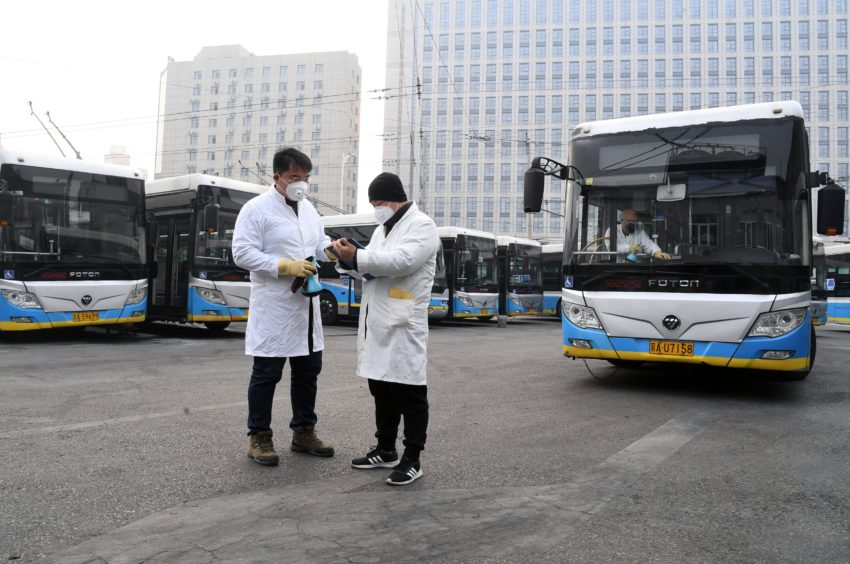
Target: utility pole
pixel 32 112
pixel 63 135
pixel 342 179
pixel 529 217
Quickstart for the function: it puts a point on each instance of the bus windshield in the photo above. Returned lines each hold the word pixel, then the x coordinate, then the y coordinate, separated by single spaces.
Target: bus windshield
pixel 476 262
pixel 61 216
pixel 709 193
pixel 526 266
pixel 212 250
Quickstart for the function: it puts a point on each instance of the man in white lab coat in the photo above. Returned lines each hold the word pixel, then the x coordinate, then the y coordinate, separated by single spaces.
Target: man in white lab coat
pixel 274 236
pixel 630 239
pixel 392 337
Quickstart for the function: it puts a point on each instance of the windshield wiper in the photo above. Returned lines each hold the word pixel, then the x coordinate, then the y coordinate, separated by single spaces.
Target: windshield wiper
pixel 606 274
pixel 741 270
pixel 107 258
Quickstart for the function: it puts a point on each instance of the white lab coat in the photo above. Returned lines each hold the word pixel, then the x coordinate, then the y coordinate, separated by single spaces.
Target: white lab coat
pixel 639 237
pixel 392 338
pixel 268 229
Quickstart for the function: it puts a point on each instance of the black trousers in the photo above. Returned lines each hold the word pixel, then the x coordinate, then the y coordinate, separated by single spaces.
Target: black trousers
pixel 394 401
pixel 265 375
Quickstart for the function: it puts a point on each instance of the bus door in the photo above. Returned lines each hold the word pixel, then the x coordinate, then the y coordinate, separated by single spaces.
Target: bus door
pixel 170 289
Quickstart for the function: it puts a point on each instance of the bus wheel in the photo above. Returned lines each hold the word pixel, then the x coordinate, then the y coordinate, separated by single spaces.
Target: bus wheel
pixel 216 326
pixel 620 363
pixel 329 309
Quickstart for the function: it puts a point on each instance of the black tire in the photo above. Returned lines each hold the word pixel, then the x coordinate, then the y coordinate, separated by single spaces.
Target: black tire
pixel 217 326
pixel 329 308
pixel 620 363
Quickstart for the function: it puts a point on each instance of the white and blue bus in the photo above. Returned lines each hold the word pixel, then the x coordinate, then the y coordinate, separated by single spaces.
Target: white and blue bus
pixel 72 243
pixel 520 271
pixel 466 284
pixel 726 195
pixel 193 277
pixel 553 256
pixel 837 282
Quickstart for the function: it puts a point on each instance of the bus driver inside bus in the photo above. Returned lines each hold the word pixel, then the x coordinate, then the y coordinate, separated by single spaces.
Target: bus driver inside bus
pixel 632 240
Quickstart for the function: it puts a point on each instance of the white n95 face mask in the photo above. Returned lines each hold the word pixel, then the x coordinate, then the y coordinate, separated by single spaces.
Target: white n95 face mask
pixel 383 214
pixel 296 191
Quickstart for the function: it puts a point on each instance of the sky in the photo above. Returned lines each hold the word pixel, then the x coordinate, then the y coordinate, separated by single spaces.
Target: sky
pixel 95 65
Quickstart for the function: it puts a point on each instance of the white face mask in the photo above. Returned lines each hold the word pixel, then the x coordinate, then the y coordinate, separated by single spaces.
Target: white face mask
pixel 296 191
pixel 383 214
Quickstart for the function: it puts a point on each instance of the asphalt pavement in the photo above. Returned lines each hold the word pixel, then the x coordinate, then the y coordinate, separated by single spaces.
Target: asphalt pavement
pixel 131 448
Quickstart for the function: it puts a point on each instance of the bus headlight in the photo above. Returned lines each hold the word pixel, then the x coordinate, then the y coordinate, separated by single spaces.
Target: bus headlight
pixel 581 316
pixel 137 295
pixel 777 323
pixel 212 296
pixel 21 299
pixel 465 301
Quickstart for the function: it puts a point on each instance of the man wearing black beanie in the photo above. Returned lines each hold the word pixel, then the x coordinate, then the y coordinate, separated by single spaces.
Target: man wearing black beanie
pixel 392 337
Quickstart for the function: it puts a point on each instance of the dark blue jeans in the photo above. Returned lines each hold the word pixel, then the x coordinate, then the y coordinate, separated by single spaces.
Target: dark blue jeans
pixel 265 375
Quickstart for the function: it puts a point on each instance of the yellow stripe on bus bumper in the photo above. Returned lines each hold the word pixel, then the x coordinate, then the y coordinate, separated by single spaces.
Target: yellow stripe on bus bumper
pixel 791 364
pixel 14 326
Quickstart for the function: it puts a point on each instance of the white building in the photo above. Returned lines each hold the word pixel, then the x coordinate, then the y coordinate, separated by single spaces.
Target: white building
pixel 480 87
pixel 228 105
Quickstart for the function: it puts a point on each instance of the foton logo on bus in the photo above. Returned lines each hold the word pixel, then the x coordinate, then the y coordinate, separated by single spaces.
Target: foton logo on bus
pixel 84 275
pixel 54 275
pixel 624 284
pixel 672 283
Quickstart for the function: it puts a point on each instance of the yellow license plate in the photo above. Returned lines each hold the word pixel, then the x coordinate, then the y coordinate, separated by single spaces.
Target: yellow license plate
pixel 675 348
pixel 86 316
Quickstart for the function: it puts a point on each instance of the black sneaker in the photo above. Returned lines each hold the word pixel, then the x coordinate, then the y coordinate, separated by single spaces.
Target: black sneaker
pixel 377 458
pixel 407 472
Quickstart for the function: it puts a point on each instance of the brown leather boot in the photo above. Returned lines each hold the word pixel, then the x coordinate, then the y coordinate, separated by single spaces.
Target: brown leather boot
pixel 306 440
pixel 261 448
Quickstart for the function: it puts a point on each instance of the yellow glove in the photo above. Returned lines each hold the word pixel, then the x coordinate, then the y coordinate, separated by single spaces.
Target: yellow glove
pixel 295 267
pixel 634 248
pixel 661 256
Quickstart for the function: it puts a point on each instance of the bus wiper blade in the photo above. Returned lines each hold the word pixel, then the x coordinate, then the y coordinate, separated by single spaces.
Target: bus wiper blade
pixel 741 270
pixel 111 260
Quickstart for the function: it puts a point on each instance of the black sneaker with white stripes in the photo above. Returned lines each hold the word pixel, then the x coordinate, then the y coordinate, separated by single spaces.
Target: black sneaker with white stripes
pixel 407 472
pixel 377 458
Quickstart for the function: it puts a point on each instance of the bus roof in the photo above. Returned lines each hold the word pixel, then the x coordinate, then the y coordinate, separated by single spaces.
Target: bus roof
pixel 454 231
pixel 766 110
pixel 553 248
pixel 190 183
pixel 508 239
pixel 838 249
pixel 346 219
pixel 7 156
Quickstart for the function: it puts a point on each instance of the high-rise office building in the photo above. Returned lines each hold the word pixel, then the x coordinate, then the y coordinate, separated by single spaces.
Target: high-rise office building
pixel 228 106
pixel 480 87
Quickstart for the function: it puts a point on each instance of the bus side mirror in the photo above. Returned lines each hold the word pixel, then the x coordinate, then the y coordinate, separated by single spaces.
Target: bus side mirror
pixel 532 187
pixel 831 210
pixel 211 218
pixel 7 208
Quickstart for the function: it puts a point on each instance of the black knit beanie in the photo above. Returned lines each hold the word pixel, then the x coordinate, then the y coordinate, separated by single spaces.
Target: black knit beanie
pixel 387 187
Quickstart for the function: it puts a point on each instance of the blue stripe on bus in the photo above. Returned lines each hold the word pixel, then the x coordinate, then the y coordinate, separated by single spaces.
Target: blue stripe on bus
pixel 198 308
pixel 747 354
pixel 838 312
pixel 39 319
